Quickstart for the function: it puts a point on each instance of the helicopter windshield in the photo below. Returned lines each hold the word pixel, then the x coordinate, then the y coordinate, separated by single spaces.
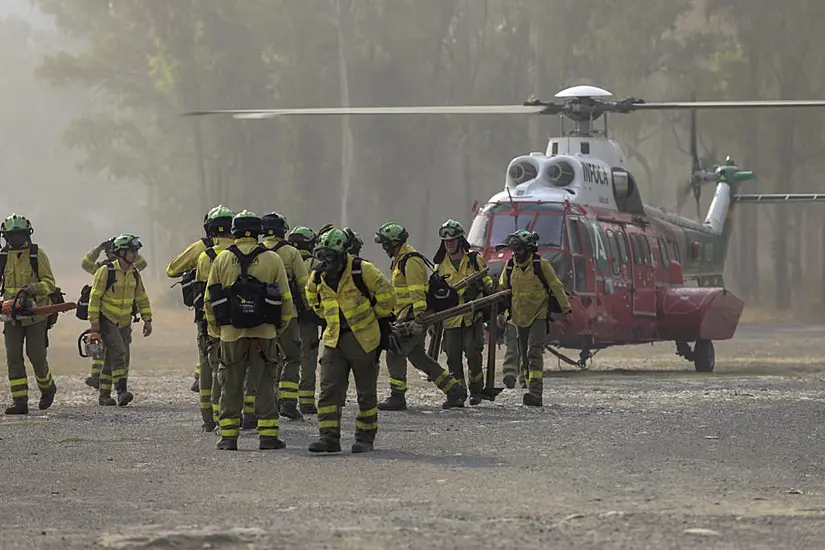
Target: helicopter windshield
pixel 544 218
pixel 504 224
pixel 549 227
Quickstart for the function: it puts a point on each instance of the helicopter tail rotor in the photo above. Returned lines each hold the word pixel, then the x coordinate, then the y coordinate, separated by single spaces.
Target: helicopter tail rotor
pixel 698 176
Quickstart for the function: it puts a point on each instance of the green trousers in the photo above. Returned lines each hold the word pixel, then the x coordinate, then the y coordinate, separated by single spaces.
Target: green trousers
pixel 466 341
pixel 34 338
pixel 412 347
pixel 290 342
pixel 117 342
pixel 309 361
pixel 97 366
pixel 205 380
pixel 248 359
pixel 531 342
pixel 214 363
pixel 512 360
pixel 336 364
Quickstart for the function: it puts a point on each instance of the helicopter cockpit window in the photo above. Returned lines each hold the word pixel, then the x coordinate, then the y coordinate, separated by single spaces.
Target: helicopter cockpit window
pixel 549 227
pixel 477 236
pixel 634 246
pixel 504 224
pixel 644 244
pixel 495 207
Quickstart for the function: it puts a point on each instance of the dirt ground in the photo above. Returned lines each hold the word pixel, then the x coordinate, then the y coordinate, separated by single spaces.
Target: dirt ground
pixel 639 452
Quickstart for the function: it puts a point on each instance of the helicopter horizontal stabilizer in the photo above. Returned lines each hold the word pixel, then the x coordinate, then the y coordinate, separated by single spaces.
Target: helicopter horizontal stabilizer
pixel 780 197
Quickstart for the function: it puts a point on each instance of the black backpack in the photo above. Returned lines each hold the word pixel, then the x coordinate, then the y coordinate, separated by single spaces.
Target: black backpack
pixel 357 278
pixel 553 305
pixel 248 303
pixel 82 311
pixel 187 280
pixel 55 297
pixel 440 295
pixel 199 290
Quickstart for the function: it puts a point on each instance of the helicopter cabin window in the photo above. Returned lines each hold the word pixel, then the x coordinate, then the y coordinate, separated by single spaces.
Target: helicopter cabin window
pixel 696 250
pixel 644 245
pixel 663 255
pixel 676 252
pixel 634 246
pixel 613 247
pixel 581 241
pixel 621 237
pixel 554 150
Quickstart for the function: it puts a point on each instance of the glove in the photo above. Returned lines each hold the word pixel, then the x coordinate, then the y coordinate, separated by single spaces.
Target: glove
pixel 385 327
pixel 29 289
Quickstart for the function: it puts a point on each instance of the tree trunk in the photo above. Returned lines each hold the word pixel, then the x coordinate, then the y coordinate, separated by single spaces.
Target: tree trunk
pixel 347 142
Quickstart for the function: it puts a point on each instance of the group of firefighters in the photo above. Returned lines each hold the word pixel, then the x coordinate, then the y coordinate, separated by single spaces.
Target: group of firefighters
pixel 262 293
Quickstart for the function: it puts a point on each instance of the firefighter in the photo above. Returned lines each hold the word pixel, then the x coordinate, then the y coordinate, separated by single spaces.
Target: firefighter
pixel 220 227
pixel 534 283
pixel 90 264
pixel 116 288
pixel 464 334
pixel 26 269
pixel 354 242
pixel 188 261
pixel 304 238
pixel 356 301
pixel 248 297
pixel 409 279
pixel 275 228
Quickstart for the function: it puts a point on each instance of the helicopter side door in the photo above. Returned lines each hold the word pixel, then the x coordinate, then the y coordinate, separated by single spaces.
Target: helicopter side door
pixel 644 280
pixel 580 244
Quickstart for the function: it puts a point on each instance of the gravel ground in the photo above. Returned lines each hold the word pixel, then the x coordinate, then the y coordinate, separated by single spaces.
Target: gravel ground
pixel 640 452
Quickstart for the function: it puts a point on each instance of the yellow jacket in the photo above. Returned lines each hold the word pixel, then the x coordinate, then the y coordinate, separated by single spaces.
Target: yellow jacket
pixel 115 303
pixel 410 286
pixel 188 259
pixel 465 269
pixel 529 299
pixel 90 263
pixel 293 262
pixel 348 301
pixel 202 273
pixel 19 273
pixel 267 268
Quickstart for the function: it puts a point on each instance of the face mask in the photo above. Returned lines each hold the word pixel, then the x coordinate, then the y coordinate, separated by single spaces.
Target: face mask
pixel 389 248
pixel 17 239
pixel 521 254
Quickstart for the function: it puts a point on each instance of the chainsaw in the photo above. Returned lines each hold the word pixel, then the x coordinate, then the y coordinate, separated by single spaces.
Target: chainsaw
pixel 89 344
pixel 23 306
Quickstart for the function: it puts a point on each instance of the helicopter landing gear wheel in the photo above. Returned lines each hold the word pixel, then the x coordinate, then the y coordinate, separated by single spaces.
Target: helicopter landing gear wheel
pixel 704 356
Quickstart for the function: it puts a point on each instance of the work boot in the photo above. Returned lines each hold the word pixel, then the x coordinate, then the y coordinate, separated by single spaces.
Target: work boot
pixel 325 446
pixel 196 387
pixel 455 397
pixel 19 406
pixel 208 427
pixel 532 400
pixel 93 381
pixel 227 444
pixel 290 410
pixel 271 444
pixel 509 380
pixel 362 447
pixel 476 399
pixel 308 408
pixel 250 422
pixel 395 402
pixel 124 398
pixel 106 401
pixel 47 398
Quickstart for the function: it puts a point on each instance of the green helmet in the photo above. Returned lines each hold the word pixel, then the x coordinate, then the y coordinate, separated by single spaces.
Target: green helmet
pixel 354 241
pixel 522 239
pixel 16 222
pixel 324 228
pixel 391 232
pixel 126 241
pixel 450 229
pixel 219 220
pixel 246 224
pixel 333 240
pixel 275 224
pixel 301 235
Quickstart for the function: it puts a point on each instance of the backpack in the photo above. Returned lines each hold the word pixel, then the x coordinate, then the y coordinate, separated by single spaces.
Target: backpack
pixel 357 278
pixel 248 303
pixel 82 311
pixel 55 297
pixel 187 280
pixel 199 290
pixel 440 295
pixel 553 305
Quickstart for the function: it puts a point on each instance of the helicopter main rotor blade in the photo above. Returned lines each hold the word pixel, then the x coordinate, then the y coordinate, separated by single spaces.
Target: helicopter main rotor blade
pixel 431 110
pixel 756 104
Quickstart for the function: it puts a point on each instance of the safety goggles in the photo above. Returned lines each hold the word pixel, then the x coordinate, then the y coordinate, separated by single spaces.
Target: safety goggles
pixel 448 233
pixel 326 255
pixel 133 244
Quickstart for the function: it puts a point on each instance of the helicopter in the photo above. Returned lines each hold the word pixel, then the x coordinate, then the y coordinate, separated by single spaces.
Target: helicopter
pixel 634 273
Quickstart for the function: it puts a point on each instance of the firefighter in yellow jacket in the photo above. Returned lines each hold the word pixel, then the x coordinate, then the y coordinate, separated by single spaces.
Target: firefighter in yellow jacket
pixel 410 281
pixel 219 220
pixel 248 297
pixel 463 335
pixel 275 228
pixel 26 269
pixel 188 261
pixel 533 282
pixel 90 264
pixel 115 289
pixel 303 239
pixel 356 301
